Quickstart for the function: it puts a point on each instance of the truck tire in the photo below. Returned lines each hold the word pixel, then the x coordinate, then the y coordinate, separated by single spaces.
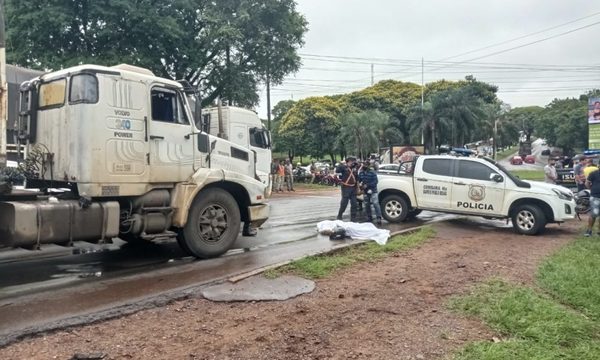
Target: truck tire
pixel 528 219
pixel 213 224
pixel 394 208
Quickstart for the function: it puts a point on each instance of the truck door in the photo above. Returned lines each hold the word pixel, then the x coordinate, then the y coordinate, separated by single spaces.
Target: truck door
pixel 433 183
pixel 474 191
pixel 172 152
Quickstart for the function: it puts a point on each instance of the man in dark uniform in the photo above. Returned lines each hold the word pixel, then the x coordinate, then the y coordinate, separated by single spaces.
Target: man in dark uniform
pixel 349 176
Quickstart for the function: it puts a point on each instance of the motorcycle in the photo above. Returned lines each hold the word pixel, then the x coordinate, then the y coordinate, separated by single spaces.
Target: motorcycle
pixel 582 203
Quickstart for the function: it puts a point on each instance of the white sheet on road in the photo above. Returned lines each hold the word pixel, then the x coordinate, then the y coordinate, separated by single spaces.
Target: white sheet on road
pixel 357 231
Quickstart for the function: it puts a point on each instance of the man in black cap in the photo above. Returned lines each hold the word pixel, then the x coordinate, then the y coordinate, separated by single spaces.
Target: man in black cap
pixel 349 177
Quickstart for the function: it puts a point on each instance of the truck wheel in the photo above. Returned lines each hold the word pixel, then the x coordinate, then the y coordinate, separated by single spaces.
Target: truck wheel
pixel 528 220
pixel 394 208
pixel 213 224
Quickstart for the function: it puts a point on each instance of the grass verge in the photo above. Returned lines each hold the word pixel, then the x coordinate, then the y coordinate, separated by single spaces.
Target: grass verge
pixel 506 153
pixel 535 324
pixel 320 266
pixel 314 187
pixel 537 175
pixel 572 276
pixel 522 313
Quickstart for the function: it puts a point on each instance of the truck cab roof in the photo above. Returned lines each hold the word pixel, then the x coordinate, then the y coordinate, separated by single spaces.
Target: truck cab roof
pixel 131 72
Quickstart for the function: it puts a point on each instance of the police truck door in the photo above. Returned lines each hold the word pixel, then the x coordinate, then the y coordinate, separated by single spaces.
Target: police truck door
pixel 433 183
pixel 474 191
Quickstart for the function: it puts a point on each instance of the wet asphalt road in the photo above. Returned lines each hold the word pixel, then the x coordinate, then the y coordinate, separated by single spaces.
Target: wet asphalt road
pixel 55 288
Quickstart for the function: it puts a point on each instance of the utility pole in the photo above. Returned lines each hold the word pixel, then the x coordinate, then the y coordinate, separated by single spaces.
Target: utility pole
pixel 422 102
pixel 494 139
pixel 372 74
pixel 3 90
pixel 269 100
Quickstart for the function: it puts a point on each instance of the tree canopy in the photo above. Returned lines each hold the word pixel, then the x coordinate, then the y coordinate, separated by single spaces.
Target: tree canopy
pixel 225 47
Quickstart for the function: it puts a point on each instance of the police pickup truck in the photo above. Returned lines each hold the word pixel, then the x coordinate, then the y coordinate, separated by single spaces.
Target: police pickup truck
pixel 472 186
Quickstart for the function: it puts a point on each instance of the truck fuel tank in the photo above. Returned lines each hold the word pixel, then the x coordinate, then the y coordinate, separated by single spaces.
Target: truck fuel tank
pixel 31 223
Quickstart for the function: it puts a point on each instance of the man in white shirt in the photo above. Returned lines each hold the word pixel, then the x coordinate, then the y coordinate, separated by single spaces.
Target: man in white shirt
pixel 550 172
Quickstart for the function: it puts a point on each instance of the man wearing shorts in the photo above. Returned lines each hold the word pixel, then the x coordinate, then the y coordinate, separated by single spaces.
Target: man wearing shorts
pixel 593 183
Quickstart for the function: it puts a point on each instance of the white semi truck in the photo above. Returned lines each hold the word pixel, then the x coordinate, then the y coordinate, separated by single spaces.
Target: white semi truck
pixel 115 152
pixel 242 127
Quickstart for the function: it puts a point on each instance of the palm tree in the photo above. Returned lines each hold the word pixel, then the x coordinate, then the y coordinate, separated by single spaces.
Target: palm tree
pixel 359 133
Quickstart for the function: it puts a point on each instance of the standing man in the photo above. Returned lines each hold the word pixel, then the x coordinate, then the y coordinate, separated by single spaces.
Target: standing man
pixel 289 175
pixel 550 172
pixel 578 173
pixel 274 168
pixel 349 186
pixel 368 179
pixel 593 183
pixel 313 171
pixel 280 175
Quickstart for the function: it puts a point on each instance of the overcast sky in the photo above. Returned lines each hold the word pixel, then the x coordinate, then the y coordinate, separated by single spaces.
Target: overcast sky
pixel 346 36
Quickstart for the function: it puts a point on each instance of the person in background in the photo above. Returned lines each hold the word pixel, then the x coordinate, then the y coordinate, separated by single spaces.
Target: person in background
pixel 280 176
pixel 289 175
pixel 593 183
pixel 313 171
pixel 274 168
pixel 349 177
pixel 589 168
pixel 578 173
pixel 550 172
pixel 368 179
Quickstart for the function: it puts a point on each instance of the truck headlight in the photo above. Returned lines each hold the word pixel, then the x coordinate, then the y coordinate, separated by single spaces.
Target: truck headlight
pixel 563 195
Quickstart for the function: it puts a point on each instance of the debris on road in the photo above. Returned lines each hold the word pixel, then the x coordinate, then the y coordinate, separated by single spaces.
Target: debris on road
pixel 259 288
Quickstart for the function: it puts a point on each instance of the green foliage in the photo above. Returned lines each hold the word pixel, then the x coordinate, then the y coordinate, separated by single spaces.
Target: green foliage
pixel 454 112
pixel 530 350
pixel 572 275
pixel 520 312
pixel 361 132
pixel 536 175
pixel 226 48
pixel 320 266
pixel 314 124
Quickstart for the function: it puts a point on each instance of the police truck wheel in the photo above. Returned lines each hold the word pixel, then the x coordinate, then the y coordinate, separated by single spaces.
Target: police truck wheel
pixel 394 208
pixel 213 224
pixel 528 220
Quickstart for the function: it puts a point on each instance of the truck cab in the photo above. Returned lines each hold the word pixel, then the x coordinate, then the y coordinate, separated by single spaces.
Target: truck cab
pixel 123 145
pixel 242 127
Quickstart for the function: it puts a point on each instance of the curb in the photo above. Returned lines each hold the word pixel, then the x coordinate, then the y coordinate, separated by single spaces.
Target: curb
pixel 334 249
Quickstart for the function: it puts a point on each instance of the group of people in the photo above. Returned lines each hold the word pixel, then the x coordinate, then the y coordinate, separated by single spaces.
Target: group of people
pixel 586 176
pixel 282 172
pixel 358 177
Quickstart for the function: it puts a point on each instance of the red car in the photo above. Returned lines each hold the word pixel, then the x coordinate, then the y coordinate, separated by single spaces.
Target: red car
pixel 516 160
pixel 530 159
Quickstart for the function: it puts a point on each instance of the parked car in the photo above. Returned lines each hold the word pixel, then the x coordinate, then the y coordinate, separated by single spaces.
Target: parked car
pixel 516 160
pixel 530 159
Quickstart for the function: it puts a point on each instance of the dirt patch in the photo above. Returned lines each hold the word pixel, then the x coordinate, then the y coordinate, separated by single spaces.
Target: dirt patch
pixel 392 309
